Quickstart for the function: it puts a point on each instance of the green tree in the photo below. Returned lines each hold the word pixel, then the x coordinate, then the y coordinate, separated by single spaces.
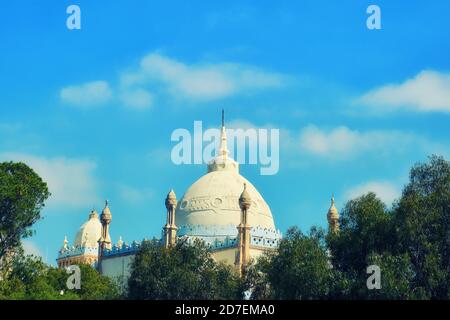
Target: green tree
pixel 364 229
pixel 256 282
pixel 422 223
pixel 22 196
pixel 184 271
pixel 31 279
pixel 396 278
pixel 368 237
pixel 300 268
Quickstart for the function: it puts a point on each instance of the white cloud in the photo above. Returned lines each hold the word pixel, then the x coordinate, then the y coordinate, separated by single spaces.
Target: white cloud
pixel 70 181
pixel 427 91
pixel 385 190
pixel 199 81
pixel 159 76
pixel 137 98
pixel 89 94
pixel 342 142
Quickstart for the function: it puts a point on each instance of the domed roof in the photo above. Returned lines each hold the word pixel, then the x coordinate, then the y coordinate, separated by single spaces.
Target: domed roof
pixel 214 200
pixel 89 233
pixel 210 206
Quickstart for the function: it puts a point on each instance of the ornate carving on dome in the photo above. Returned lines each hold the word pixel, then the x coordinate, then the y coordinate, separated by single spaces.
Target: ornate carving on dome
pixel 218 204
pixel 183 204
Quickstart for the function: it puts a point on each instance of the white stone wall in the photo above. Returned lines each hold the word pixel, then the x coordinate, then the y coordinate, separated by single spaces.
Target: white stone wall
pixel 118 267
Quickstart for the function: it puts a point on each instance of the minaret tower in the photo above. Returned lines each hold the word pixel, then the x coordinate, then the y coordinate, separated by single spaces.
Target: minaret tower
pixel 243 232
pixel 333 217
pixel 105 239
pixel 170 229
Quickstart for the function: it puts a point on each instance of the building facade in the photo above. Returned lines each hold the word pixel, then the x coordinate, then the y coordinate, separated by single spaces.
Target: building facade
pixel 222 208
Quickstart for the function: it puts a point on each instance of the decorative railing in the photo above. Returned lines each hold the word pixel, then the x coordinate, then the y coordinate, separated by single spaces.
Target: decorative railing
pixel 125 248
pixel 215 237
pixel 222 237
pixel 77 251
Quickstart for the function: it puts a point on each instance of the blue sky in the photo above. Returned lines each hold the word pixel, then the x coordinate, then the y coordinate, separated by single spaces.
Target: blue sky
pixel 92 110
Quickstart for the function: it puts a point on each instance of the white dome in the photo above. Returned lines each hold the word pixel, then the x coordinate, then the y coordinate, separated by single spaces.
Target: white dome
pixel 210 207
pixel 213 200
pixel 89 233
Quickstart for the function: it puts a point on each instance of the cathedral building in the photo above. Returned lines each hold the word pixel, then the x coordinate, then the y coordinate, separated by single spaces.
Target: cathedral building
pixel 222 208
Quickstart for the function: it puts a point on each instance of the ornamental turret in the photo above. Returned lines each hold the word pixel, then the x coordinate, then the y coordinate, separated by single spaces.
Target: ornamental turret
pixel 333 218
pixel 243 255
pixel 105 219
pixel 170 229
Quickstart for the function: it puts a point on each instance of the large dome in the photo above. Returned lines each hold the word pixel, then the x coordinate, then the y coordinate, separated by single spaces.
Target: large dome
pixel 89 233
pixel 213 200
pixel 210 210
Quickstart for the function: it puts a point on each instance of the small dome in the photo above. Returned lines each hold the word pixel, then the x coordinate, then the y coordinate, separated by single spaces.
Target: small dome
pixel 106 213
pixel 171 199
pixel 171 194
pixel 333 213
pixel 89 233
pixel 245 200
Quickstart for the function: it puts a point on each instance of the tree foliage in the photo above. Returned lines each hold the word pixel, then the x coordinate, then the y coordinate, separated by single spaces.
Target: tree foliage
pixel 409 242
pixel 32 279
pixel 182 272
pixel 299 269
pixel 422 223
pixel 22 196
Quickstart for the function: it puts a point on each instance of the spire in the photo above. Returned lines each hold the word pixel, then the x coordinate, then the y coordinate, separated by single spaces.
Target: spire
pixel 333 217
pixel 332 207
pixel 223 118
pixel 223 139
pixel 223 161
pixel 120 243
pixel 65 243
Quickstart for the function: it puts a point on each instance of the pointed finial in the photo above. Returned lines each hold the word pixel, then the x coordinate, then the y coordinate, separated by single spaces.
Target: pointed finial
pixel 223 139
pixel 65 243
pixel 332 198
pixel 106 202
